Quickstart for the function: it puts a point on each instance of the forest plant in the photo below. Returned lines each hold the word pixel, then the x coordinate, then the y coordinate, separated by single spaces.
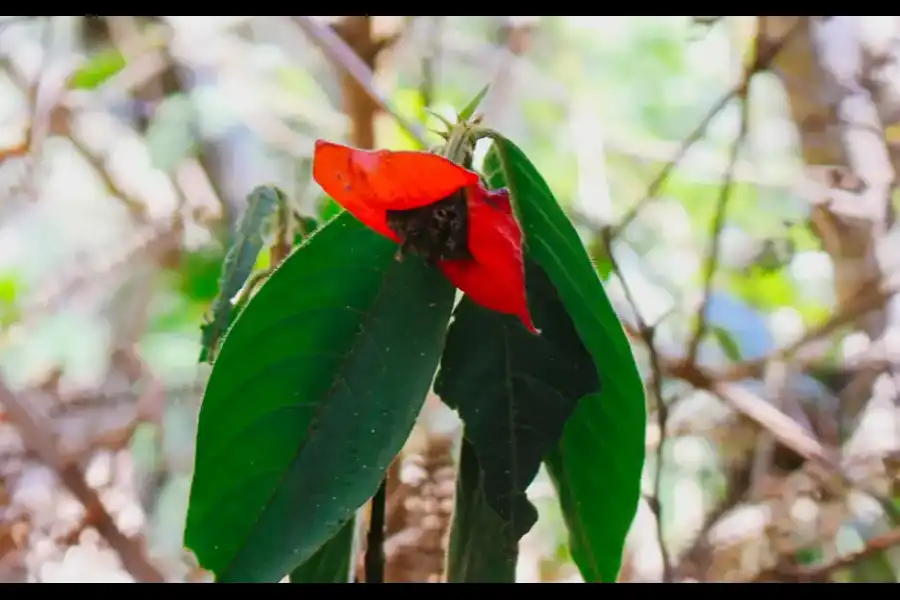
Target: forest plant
pixel 321 376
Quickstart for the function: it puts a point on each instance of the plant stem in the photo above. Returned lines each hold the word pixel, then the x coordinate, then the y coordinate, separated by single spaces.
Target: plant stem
pixel 374 561
pixel 460 145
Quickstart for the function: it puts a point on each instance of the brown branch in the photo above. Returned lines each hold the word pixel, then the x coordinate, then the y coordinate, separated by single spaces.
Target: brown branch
pixel 800 574
pixel 725 193
pixel 53 115
pixel 356 32
pixel 38 437
pixel 786 430
pixel 429 61
pixel 686 144
pixel 17 150
pixel 284 234
pixel 869 295
pixel 782 427
pixel 647 334
pixel 343 57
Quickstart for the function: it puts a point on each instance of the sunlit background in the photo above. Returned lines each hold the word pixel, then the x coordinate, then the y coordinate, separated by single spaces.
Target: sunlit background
pixel 128 146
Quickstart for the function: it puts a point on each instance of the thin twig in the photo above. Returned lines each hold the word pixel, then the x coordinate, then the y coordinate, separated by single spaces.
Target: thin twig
pixel 344 58
pixel 374 560
pixel 38 436
pixel 762 62
pixel 874 546
pixel 647 333
pixel 868 296
pixel 712 257
pixel 775 382
pixel 686 144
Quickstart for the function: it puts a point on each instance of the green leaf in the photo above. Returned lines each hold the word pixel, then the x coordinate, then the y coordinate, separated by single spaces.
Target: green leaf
pixel 483 548
pixel 597 464
pixel 328 208
pixel 333 561
pixel 444 121
pixel 262 204
pixel 466 113
pixel 514 390
pixel 10 311
pixel 315 389
pixel 97 70
pixel 304 227
pixel 727 342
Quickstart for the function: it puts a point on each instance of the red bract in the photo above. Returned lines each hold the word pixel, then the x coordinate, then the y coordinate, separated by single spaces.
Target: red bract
pixel 370 183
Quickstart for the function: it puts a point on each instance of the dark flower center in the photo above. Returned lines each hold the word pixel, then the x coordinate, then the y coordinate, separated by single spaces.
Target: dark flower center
pixel 438 231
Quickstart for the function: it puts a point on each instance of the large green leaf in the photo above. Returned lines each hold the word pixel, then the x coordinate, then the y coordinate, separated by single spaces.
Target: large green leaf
pixel 514 390
pixel 483 548
pixel 332 563
pixel 315 390
pixel 597 465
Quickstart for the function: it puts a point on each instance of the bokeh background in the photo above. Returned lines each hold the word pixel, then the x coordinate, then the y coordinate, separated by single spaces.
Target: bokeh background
pixel 740 170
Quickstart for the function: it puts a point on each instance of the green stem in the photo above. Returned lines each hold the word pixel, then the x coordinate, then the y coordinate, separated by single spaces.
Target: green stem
pixel 459 146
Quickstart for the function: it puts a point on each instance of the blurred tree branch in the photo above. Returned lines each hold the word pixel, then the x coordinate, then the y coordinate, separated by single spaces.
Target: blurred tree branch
pixel 830 76
pixel 350 65
pixel 867 294
pixel 39 438
pixel 647 333
pixel 763 59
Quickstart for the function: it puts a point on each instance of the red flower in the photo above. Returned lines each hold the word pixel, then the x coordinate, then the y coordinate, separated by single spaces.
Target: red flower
pixel 383 189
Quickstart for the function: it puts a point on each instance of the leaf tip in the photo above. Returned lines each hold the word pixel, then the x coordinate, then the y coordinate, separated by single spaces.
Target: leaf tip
pixel 472 106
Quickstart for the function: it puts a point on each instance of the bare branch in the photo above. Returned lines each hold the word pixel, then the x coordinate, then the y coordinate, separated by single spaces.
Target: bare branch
pixel 339 53
pixel 762 62
pixel 712 258
pixel 874 546
pixel 38 437
pixel 662 409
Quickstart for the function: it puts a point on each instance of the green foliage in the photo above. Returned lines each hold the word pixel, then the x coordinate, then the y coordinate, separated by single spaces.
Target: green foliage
pixel 262 204
pixel 314 392
pixel 9 293
pixel 198 274
pixel 320 378
pixel 97 70
pixel 469 111
pixel 768 290
pixel 514 391
pixel 332 563
pixel 328 209
pixel 483 548
pixel 597 464
pixel 727 342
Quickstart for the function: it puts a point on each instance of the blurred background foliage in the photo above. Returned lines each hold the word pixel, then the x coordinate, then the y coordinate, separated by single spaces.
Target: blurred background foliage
pixel 129 144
